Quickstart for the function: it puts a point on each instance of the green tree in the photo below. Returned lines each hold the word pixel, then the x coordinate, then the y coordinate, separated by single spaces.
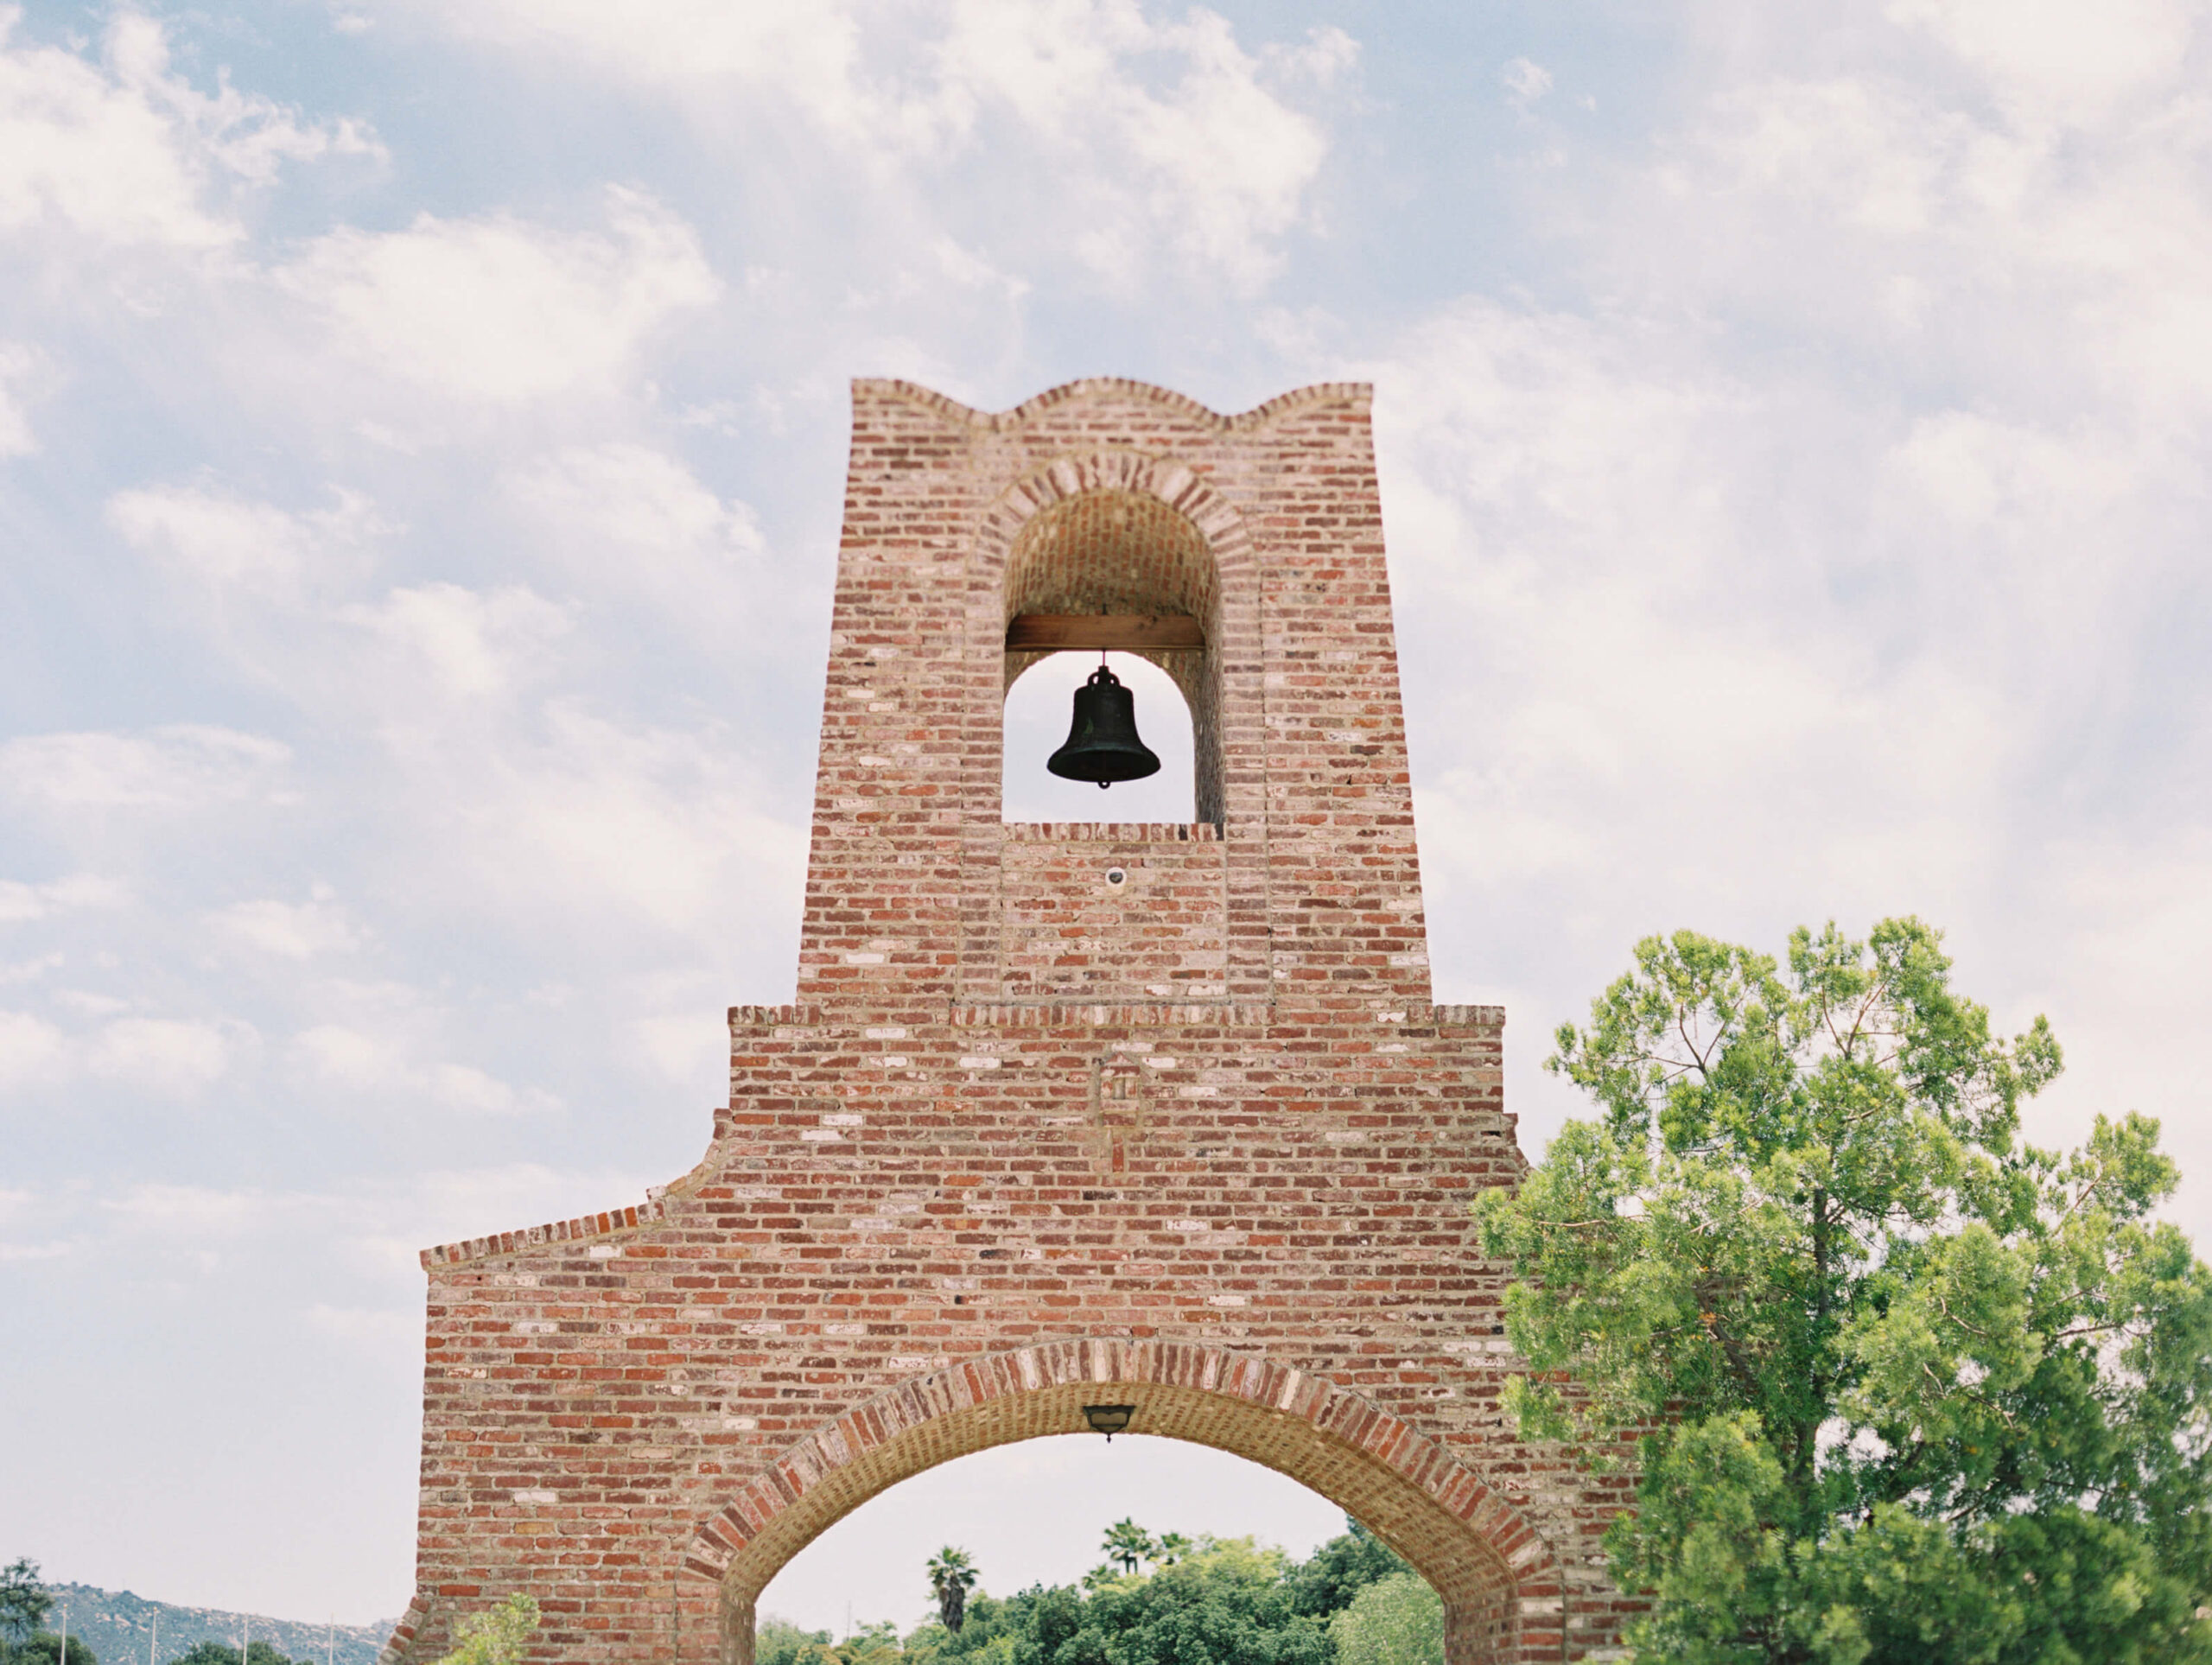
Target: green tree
pixel 23 1599
pixel 952 1575
pixel 1341 1568
pixel 497 1637
pixel 1398 1620
pixel 779 1642
pixel 221 1653
pixel 44 1648
pixel 872 1645
pixel 1228 1603
pixel 1127 1545
pixel 1900 1387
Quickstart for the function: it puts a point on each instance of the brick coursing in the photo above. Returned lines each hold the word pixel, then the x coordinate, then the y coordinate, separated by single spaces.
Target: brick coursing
pixel 1196 1141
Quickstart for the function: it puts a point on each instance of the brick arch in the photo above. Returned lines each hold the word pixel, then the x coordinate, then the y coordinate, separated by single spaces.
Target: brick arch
pixel 1472 1544
pixel 1126 531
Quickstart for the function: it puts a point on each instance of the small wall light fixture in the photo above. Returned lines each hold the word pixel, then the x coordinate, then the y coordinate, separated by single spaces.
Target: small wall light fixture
pixel 1109 1420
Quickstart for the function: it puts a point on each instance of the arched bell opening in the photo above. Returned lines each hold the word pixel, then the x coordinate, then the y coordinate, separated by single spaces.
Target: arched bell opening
pixel 1036 722
pixel 1121 571
pixel 1471 1548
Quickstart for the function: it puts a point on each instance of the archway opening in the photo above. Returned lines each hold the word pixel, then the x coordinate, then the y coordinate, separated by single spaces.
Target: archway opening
pixel 1113 568
pixel 1037 1512
pixel 1465 1540
pixel 1037 712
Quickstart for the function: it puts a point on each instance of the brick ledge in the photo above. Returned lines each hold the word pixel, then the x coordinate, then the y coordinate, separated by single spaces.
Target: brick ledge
pixel 969 1014
pixel 1140 1014
pixel 1110 832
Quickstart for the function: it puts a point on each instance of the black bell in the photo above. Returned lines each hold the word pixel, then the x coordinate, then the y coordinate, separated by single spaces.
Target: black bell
pixel 1102 744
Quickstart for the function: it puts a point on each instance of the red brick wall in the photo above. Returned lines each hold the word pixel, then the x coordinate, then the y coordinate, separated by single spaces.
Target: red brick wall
pixel 1113 912
pixel 1198 1142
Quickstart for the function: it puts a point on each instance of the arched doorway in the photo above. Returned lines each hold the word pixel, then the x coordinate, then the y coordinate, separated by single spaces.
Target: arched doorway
pixel 1467 1541
pixel 1037 1513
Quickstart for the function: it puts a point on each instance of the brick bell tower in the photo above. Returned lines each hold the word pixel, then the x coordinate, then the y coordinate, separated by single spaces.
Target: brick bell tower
pixel 1142 1115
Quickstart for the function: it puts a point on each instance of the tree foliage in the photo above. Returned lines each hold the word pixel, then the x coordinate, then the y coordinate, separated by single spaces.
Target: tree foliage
pixel 497 1637
pixel 24 1601
pixel 221 1653
pixel 44 1648
pixel 952 1575
pixel 1396 1621
pixel 1899 1386
pixel 1210 1601
pixel 1127 1545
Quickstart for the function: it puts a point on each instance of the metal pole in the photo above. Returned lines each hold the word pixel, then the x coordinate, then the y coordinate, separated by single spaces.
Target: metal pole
pixel 153 1645
pixel 65 1633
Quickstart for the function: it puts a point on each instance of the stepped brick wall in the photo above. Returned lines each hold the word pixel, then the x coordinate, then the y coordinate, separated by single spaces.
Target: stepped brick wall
pixel 1152 1115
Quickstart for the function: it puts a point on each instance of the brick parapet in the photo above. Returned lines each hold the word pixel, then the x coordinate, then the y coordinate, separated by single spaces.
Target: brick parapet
pixel 1090 391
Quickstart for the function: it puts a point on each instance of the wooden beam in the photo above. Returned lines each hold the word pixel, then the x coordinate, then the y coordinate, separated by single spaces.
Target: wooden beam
pixel 1040 632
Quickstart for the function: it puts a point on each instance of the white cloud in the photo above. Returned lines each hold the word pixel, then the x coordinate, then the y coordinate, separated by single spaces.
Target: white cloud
pixel 181 767
pixel 23 372
pixel 2074 59
pixel 2055 270
pixel 344 1056
pixel 292 931
pixel 627 520
pixel 20 901
pixel 499 310
pixel 1207 161
pixel 1130 137
pixel 124 152
pixel 1525 82
pixel 166 1055
pixel 274 581
pixel 31 1050
pixel 188 1212
pixel 639 507
pixel 217 538
pixel 471 644
pixel 355 1060
pixel 385 1334
pixel 657 826
pixel 811 48
pixel 684 1048
pixel 174 1058
pixel 465 1088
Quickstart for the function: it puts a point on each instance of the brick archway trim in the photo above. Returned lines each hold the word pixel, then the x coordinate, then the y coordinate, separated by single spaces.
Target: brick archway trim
pixel 1115 387
pixel 1298 1423
pixel 1174 483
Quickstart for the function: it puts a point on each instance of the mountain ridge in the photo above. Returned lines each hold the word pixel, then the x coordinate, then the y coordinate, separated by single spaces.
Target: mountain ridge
pixel 118 1627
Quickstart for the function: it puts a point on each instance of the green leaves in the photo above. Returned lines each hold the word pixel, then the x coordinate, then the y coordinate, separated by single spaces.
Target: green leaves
pixel 952 1575
pixel 499 1636
pixel 1213 1601
pixel 1396 1621
pixel 1860 1336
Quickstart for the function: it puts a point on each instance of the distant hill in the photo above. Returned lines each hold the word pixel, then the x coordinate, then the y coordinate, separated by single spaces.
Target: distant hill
pixel 118 1627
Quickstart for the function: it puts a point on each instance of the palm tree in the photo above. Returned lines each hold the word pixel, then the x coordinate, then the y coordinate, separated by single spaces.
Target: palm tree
pixel 952 1575
pixel 1128 1543
pixel 1172 1547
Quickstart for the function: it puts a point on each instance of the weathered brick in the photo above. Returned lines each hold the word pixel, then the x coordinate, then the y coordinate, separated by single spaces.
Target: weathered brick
pixel 1195 1142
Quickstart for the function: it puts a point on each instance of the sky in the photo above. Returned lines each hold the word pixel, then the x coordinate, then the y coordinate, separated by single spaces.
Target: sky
pixel 422 429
